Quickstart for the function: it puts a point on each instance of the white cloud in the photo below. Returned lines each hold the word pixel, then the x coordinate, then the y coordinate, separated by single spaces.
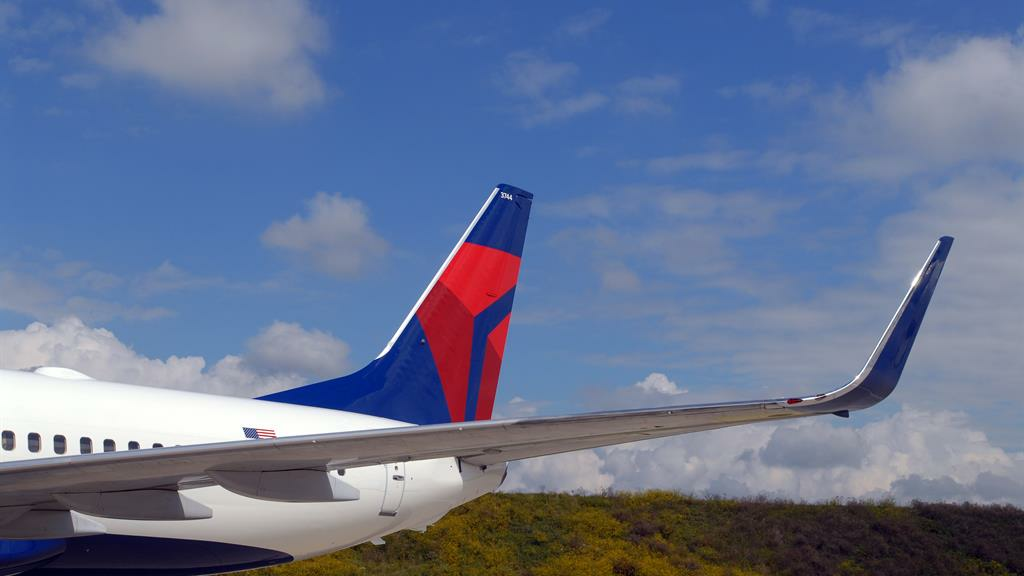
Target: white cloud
pixel 80 80
pixel 711 161
pixel 547 111
pixel 253 51
pixel 285 347
pixel 334 236
pixel 9 12
pixel 571 472
pixel 170 278
pixel 902 456
pixel 99 353
pixel 547 90
pixel 949 117
pixel 934 111
pixel 41 23
pixel 968 352
pixel 532 75
pixel 975 331
pixel 617 277
pixel 590 206
pixel 518 407
pixel 25 294
pixel 582 25
pixel 760 8
pixel 647 94
pixel 658 383
pixel 544 88
pixel 644 233
pixel 28 65
pixel 810 23
pixel 49 295
pixel 656 389
pixel 774 92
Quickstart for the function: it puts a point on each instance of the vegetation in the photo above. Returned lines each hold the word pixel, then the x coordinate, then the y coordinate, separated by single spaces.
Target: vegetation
pixel 663 533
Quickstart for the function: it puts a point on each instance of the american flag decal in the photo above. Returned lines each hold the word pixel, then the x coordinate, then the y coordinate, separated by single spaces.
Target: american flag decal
pixel 258 433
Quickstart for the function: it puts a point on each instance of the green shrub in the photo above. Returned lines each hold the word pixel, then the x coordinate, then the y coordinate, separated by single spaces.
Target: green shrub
pixel 662 533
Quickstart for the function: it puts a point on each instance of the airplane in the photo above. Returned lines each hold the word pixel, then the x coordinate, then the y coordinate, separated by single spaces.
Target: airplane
pixel 108 478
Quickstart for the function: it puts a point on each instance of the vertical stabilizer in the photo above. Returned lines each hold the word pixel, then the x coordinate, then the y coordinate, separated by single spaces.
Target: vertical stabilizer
pixel 442 364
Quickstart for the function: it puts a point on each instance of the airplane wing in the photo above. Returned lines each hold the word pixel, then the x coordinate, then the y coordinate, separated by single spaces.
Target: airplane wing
pixel 31 482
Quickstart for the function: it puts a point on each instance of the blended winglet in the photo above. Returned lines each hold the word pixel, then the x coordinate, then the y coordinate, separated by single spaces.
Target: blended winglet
pixel 882 371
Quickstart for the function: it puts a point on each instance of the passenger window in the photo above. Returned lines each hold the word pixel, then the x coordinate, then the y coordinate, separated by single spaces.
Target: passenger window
pixel 60 444
pixel 109 446
pixel 7 439
pixel 34 442
pixel 85 445
pixel 157 445
pixel 133 445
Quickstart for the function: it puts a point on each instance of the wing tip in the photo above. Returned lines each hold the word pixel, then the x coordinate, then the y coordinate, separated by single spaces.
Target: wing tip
pixel 884 367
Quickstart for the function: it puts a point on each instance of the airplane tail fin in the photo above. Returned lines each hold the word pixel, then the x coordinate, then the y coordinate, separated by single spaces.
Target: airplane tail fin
pixel 442 364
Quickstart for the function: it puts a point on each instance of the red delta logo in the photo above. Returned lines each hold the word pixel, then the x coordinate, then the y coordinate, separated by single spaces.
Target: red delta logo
pixel 465 318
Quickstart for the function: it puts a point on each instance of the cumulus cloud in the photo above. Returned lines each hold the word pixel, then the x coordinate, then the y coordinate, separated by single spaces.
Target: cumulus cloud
pixel 832 447
pixel 99 353
pixel 334 236
pixel 656 389
pixel 934 111
pixel 657 383
pixel 518 407
pixel 257 52
pixel 571 472
pixel 911 454
pixel 288 348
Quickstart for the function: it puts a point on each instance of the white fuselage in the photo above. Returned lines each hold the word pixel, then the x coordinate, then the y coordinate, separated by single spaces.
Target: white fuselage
pixel 75 409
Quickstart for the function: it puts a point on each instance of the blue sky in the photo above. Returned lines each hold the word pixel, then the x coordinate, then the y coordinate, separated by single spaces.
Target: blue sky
pixel 731 199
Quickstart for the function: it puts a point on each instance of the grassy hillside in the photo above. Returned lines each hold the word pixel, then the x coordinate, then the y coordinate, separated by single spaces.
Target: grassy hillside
pixel 660 533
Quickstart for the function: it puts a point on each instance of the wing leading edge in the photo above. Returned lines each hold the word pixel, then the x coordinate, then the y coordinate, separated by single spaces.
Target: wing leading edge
pixel 481 442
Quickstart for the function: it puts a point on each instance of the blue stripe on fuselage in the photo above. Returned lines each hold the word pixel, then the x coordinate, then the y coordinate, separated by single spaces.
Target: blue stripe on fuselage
pixel 110 554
